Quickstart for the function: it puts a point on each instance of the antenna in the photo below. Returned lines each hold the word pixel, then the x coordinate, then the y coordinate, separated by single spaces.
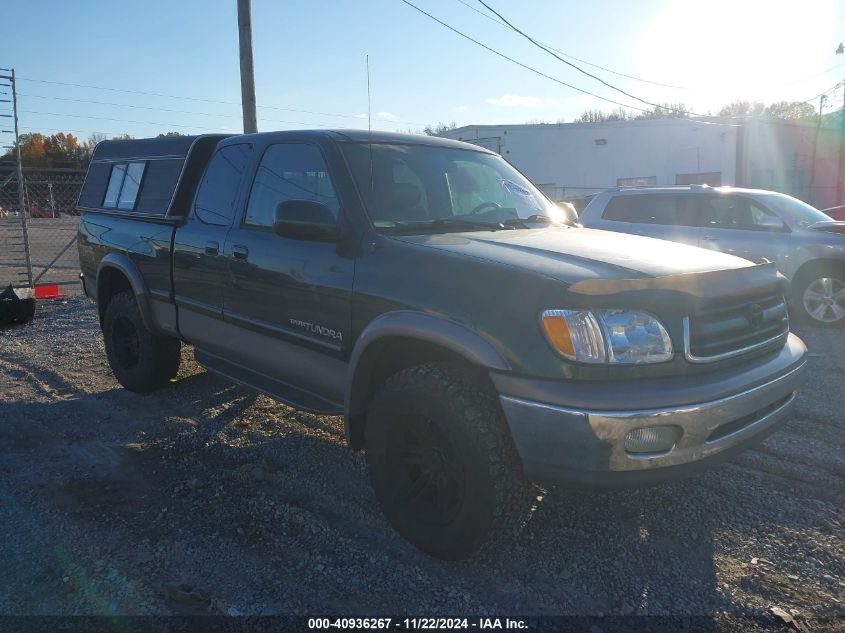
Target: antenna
pixel 370 125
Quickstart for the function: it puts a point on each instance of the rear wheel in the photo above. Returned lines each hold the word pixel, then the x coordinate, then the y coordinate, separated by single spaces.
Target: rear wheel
pixel 442 461
pixel 140 360
pixel 819 296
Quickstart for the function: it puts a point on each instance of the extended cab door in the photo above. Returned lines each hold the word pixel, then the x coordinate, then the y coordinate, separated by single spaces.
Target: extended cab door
pixel 200 269
pixel 290 298
pixel 738 225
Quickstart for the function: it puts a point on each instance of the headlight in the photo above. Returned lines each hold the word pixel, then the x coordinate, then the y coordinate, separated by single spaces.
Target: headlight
pixel 607 336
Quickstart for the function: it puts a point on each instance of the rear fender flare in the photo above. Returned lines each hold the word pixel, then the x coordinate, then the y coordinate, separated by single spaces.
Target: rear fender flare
pixel 123 264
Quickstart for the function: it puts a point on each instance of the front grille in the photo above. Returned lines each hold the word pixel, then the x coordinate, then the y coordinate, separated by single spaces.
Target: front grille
pixel 732 327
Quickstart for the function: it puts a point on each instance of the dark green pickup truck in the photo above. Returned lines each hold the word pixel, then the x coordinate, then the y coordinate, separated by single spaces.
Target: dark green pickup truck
pixel 473 338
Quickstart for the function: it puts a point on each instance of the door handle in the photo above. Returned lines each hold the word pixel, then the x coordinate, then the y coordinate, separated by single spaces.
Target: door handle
pixel 212 248
pixel 240 252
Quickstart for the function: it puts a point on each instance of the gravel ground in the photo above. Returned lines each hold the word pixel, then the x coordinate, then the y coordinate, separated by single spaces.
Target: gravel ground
pixel 206 498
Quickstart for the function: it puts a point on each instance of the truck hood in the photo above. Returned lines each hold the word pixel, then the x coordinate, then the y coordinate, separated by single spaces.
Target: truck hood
pixel 573 254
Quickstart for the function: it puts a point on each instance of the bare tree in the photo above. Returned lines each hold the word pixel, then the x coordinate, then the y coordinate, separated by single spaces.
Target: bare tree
pixel 439 128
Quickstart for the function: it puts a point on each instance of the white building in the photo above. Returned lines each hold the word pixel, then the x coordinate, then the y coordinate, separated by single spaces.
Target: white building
pixel 570 160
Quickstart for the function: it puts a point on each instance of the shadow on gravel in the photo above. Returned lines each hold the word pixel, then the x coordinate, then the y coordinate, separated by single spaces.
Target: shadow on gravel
pixel 207 495
pixel 624 552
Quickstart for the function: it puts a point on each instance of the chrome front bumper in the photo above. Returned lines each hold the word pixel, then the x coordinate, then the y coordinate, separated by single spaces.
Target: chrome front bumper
pixel 559 443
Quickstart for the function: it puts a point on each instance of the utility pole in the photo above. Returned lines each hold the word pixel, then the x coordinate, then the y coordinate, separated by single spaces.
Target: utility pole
pixel 814 197
pixel 247 71
pixel 840 182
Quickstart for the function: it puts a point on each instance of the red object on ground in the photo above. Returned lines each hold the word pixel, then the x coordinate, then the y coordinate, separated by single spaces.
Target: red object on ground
pixel 50 291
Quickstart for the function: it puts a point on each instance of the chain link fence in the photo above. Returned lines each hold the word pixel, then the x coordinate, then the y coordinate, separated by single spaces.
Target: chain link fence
pixel 51 224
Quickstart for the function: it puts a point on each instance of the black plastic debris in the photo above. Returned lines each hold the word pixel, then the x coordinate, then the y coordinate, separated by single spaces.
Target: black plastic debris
pixel 17 305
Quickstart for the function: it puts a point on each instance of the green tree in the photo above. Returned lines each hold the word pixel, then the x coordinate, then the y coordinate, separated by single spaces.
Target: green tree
pixel 792 111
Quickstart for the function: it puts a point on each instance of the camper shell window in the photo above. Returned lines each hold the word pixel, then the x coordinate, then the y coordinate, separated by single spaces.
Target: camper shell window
pixel 147 177
pixel 124 184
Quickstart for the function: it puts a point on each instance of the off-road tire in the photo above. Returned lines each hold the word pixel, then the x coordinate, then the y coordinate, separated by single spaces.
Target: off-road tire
pixel 140 360
pixel 810 275
pixel 494 499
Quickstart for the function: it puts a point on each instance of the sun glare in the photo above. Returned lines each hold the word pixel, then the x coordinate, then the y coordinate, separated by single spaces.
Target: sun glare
pixel 738 49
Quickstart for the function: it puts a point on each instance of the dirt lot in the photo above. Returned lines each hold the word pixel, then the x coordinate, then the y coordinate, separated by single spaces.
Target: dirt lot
pixel 205 498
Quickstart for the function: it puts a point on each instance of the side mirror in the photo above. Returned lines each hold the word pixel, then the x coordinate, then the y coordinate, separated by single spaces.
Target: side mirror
pixel 305 220
pixel 569 212
pixel 770 223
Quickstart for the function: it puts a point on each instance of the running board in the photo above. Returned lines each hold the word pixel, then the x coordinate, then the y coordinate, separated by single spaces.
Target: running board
pixel 275 389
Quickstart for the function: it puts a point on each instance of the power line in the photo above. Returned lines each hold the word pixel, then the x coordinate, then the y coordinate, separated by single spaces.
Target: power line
pixel 159 123
pixel 204 100
pixel 127 105
pixel 140 107
pixel 627 76
pixel 819 74
pixel 517 62
pixel 578 59
pixel 831 89
pixel 546 76
pixel 578 68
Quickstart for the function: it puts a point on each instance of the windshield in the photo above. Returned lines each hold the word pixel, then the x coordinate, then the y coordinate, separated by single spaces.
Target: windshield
pixel 423 186
pixel 800 212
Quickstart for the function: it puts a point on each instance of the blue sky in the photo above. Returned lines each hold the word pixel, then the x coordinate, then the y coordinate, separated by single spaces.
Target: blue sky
pixel 310 68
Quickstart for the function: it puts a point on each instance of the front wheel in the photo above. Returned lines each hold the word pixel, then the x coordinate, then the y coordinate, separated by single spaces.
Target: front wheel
pixel 140 360
pixel 819 296
pixel 442 461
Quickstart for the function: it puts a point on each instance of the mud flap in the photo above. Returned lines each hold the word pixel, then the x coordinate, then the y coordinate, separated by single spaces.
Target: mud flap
pixel 17 306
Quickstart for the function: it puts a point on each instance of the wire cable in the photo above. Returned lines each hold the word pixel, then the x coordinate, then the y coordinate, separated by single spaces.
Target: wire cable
pixel 576 67
pixel 635 78
pixel 555 79
pixel 101 118
pixel 517 62
pixel 204 100
pixel 140 107
pixel 578 59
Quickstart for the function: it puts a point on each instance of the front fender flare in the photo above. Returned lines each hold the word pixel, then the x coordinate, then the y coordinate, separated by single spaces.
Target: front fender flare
pixel 418 326
pixel 122 263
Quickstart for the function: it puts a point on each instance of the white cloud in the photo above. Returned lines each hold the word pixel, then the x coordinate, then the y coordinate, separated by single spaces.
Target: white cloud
pixel 385 115
pixel 462 108
pixel 361 116
pixel 516 101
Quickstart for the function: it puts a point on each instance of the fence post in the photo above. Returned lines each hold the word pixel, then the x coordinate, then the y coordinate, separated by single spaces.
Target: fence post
pixel 52 201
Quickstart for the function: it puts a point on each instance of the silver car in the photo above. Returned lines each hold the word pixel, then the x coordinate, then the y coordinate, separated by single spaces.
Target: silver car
pixel 807 246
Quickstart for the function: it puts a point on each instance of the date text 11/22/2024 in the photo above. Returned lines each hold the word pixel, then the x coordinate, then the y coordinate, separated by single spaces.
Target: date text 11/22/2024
pixel 414 624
